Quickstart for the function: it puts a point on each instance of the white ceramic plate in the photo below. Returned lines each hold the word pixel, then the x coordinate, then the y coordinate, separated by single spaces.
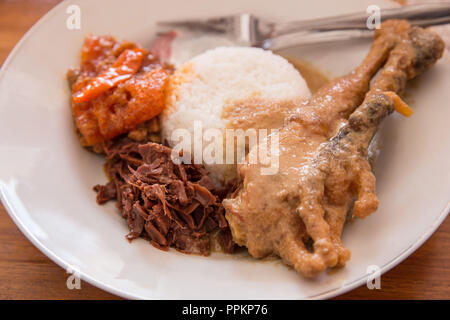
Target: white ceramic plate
pixel 46 178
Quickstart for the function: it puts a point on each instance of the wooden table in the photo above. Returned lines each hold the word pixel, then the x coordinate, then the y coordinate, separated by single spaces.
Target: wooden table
pixel 25 273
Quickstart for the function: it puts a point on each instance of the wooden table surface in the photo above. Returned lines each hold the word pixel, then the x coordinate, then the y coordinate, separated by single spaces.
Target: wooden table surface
pixel 25 273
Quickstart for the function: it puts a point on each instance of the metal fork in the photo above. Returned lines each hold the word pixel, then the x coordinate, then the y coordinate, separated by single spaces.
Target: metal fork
pixel 249 30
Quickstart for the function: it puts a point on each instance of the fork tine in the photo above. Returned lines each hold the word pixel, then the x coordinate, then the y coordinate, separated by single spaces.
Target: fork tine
pixel 215 24
pixel 179 23
pixel 197 20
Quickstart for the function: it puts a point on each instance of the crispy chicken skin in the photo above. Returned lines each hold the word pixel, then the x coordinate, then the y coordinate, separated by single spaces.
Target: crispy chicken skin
pixel 298 213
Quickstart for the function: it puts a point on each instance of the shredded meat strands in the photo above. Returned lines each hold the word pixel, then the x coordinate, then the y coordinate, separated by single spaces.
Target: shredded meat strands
pixel 171 205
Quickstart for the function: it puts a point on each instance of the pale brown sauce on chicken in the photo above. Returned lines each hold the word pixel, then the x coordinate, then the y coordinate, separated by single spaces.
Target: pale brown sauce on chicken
pixel 257 113
pixel 323 163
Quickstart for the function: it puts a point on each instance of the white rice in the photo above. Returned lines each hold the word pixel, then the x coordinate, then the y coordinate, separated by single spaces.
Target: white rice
pixel 200 89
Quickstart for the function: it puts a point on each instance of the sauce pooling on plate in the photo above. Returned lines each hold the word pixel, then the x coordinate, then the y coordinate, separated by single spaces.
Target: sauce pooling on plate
pixel 314 77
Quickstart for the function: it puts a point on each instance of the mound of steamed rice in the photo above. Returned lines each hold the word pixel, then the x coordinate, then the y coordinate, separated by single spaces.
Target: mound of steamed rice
pixel 199 90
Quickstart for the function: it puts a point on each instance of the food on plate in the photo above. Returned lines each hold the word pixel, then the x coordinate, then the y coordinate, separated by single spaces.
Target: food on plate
pixel 298 213
pixel 117 94
pixel 171 205
pixel 118 87
pixel 129 104
pixel 206 86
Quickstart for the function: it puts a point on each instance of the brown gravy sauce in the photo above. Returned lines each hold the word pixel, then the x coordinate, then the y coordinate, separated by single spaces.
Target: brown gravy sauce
pixel 314 77
pixel 257 113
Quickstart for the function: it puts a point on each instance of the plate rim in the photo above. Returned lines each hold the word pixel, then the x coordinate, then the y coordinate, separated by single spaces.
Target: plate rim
pixel 124 294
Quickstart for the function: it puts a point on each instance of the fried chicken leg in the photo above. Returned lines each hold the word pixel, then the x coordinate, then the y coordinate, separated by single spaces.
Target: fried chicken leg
pixel 323 158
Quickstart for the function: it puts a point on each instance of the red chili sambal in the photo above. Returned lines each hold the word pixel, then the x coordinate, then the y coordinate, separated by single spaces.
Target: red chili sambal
pixel 117 87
